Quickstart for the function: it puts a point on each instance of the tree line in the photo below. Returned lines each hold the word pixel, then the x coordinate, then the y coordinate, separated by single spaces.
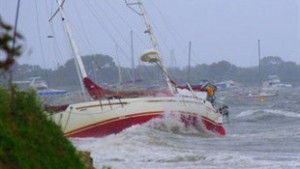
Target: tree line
pixel 103 70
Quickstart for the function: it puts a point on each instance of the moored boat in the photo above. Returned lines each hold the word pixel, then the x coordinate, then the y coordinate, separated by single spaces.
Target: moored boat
pixel 112 111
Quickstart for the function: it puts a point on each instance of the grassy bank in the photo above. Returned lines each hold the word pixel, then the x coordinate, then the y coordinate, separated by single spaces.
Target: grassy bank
pixel 28 140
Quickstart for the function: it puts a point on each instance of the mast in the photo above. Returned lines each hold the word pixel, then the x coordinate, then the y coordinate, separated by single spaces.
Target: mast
pixel 95 70
pixel 172 58
pixel 132 56
pixel 78 61
pixel 119 65
pixel 153 41
pixel 189 65
pixel 259 66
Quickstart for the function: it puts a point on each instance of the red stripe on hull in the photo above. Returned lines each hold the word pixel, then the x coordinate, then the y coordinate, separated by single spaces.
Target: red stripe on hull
pixel 218 129
pixel 114 126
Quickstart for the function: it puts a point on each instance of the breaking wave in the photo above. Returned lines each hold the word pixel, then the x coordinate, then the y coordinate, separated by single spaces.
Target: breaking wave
pixel 267 113
pixel 172 123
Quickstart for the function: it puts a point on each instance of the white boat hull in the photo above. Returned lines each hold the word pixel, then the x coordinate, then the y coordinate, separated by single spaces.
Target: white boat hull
pixel 104 117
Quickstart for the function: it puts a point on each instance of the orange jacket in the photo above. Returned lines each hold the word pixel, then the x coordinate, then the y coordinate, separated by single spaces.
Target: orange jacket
pixel 210 91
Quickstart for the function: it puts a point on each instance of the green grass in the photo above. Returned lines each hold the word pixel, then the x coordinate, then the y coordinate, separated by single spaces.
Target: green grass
pixel 28 140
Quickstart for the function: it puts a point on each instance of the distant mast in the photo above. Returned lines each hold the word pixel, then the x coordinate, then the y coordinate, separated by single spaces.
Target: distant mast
pixel 259 66
pixel 132 56
pixel 119 66
pixel 189 62
pixel 172 58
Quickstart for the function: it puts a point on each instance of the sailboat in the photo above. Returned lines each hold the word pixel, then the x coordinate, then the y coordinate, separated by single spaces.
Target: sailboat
pixel 261 93
pixel 111 111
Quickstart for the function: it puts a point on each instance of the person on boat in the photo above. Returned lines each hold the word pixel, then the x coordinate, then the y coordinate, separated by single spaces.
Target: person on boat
pixel 210 89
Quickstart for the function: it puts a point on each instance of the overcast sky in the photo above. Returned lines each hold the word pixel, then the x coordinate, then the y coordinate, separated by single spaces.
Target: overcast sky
pixel 218 29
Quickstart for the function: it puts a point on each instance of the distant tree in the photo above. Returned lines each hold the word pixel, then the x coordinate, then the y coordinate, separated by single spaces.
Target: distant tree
pixel 271 61
pixel 178 75
pixel 201 72
pixel 221 70
pixel 102 69
pixel 246 76
pixel 270 65
pixel 289 72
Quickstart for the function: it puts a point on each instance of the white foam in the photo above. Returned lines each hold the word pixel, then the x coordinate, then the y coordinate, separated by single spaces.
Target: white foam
pixel 247 113
pixel 128 151
pixel 283 113
pixel 172 123
pixel 269 111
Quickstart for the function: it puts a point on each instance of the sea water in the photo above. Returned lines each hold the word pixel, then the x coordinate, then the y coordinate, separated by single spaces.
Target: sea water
pixel 264 136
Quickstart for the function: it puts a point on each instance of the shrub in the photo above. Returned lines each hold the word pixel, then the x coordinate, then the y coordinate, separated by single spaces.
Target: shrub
pixel 28 140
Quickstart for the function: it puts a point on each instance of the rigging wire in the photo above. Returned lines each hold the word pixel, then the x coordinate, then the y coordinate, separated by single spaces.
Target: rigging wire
pixel 14 39
pixel 80 32
pixel 124 21
pixel 78 16
pixel 1 52
pixel 16 25
pixel 107 31
pixel 56 49
pixel 39 38
pixel 103 26
pixel 135 35
pixel 171 29
pixel 298 51
pixel 112 24
pixel 118 31
pixel 118 15
pixel 53 36
pixel 52 41
pixel 173 32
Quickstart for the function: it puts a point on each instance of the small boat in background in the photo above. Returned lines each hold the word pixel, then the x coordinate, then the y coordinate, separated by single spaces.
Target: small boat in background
pixel 274 82
pixel 255 95
pixel 227 84
pixel 261 94
pixel 40 86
